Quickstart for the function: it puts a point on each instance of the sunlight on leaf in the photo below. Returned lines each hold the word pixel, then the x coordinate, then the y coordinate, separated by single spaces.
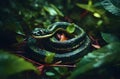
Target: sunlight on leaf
pixel 57 10
pixel 50 73
pixel 97 15
pixel 93 9
pixel 50 10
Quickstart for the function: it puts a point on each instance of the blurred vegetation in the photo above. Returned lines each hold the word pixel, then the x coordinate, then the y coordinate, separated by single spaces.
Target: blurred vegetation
pixel 19 17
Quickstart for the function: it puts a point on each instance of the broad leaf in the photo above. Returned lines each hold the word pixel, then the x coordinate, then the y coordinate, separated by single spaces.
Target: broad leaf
pixel 101 57
pixel 109 37
pixel 11 64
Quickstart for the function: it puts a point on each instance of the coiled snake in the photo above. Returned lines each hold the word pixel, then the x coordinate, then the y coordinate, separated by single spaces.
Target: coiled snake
pixel 43 44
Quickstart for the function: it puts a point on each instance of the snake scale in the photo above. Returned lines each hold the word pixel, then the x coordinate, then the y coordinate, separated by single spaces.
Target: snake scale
pixel 68 51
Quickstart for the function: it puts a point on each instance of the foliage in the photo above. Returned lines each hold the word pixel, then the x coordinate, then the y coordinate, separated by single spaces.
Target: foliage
pixel 110 37
pixel 49 57
pixel 11 64
pixel 70 28
pixel 19 17
pixel 96 59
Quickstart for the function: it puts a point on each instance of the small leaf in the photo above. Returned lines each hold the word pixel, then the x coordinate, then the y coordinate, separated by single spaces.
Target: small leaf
pixel 97 15
pixel 50 10
pixel 53 10
pixel 70 28
pixel 86 7
pixel 109 37
pixel 91 8
pixel 50 74
pixel 90 2
pixel 49 57
pixel 57 10
pixel 11 64
pixel 107 55
pixel 61 70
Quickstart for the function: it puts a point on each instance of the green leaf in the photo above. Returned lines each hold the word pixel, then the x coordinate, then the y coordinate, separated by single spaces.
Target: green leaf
pixel 50 74
pixel 50 10
pixel 92 8
pixel 108 55
pixel 70 28
pixel 108 37
pixel 87 7
pixel 61 70
pixel 57 10
pixel 49 57
pixel 53 10
pixel 11 64
pixel 90 2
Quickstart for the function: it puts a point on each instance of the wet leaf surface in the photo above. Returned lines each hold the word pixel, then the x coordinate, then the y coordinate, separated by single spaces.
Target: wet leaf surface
pixel 11 64
pixel 19 17
pixel 107 55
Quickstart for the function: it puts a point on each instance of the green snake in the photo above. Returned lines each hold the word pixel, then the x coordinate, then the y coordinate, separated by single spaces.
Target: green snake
pixel 53 50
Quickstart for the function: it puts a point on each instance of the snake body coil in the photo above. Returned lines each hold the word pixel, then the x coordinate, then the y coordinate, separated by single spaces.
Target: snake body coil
pixel 68 51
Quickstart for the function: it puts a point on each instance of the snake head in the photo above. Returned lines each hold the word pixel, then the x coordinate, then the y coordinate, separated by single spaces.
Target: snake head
pixel 39 32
